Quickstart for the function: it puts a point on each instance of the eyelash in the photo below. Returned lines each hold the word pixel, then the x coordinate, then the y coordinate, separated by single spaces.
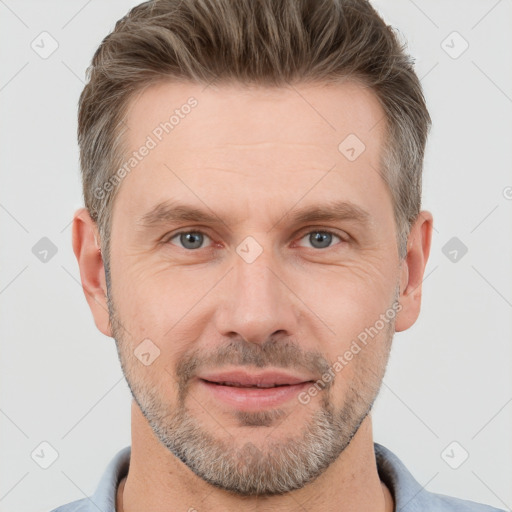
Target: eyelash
pixel 168 239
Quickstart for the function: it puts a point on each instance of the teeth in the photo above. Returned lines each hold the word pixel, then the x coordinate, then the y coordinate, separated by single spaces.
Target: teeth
pixel 236 385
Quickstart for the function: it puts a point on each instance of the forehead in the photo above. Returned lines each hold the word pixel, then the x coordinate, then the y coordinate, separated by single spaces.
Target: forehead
pixel 262 142
pixel 246 114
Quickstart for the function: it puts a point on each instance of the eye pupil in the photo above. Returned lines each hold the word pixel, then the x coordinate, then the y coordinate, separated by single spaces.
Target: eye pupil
pixel 195 239
pixel 320 237
pixel 191 240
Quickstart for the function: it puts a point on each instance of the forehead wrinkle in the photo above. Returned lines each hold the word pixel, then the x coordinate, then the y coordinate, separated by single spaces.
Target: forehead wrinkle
pixel 174 211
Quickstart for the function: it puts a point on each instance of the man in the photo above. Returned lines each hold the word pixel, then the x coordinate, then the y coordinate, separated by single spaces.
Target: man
pixel 252 239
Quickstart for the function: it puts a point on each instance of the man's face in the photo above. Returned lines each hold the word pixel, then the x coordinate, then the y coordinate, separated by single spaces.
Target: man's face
pixel 255 287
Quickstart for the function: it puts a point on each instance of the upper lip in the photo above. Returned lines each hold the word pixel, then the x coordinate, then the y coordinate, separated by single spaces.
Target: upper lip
pixel 257 379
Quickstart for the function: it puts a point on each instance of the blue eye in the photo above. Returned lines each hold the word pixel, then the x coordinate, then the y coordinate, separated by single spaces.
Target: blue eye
pixel 320 239
pixel 190 239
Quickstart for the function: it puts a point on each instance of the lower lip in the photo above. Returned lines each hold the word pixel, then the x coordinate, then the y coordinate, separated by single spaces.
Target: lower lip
pixel 246 399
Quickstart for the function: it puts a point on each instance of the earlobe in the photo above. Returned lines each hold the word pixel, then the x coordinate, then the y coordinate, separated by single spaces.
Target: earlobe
pixel 413 270
pixel 87 249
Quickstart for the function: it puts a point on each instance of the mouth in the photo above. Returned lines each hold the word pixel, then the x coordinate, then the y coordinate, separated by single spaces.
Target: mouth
pixel 240 385
pixel 254 391
pixel 244 379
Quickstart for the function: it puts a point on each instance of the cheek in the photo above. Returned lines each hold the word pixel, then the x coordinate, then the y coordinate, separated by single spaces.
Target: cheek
pixel 353 302
pixel 360 366
pixel 169 309
pixel 348 298
pixel 154 300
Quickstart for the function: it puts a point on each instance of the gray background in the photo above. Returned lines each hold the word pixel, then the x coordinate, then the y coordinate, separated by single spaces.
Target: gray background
pixel 449 377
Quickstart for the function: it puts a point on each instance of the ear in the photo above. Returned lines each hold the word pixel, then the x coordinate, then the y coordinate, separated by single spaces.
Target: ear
pixel 87 250
pixel 413 269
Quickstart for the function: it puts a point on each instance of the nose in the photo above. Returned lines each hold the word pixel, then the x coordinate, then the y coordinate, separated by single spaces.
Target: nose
pixel 256 302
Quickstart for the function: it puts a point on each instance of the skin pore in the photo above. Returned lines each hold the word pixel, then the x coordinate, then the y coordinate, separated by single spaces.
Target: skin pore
pixel 292 297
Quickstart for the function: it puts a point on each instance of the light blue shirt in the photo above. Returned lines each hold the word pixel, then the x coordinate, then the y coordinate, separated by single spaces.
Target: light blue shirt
pixel 408 494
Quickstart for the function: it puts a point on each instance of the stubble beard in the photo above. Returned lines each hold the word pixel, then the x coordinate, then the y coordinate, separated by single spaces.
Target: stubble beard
pixel 274 466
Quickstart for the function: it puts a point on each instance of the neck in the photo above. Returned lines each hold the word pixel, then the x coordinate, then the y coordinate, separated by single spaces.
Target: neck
pixel 160 482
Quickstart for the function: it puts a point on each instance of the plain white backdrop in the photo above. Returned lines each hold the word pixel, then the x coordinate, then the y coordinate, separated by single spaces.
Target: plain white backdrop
pixel 449 378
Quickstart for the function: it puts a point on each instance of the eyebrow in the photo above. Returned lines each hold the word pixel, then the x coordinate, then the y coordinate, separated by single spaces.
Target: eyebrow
pixel 168 212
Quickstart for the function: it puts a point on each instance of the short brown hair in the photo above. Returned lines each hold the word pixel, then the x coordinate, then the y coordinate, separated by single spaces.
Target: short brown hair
pixel 261 42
